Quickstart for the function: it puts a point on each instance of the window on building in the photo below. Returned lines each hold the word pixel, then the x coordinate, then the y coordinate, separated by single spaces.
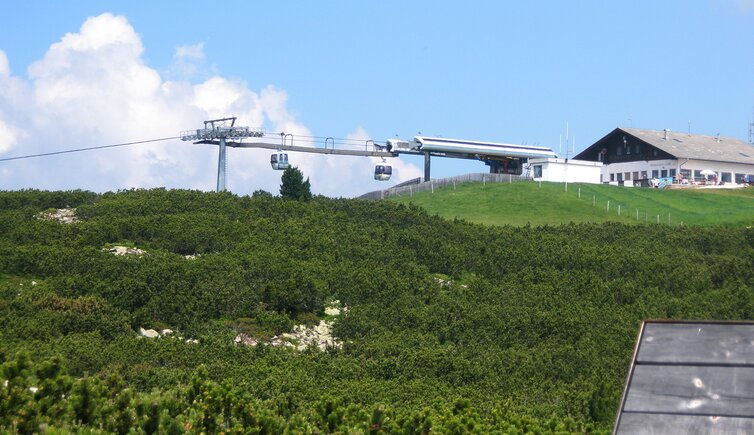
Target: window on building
pixel 725 177
pixel 627 176
pixel 655 173
pixel 686 173
pixel 664 173
pixel 628 149
pixel 620 176
pixel 740 178
pixel 644 174
pixel 697 174
pixel 619 151
pixel 635 175
pixel 672 173
pixel 612 177
pixel 637 149
pixel 537 171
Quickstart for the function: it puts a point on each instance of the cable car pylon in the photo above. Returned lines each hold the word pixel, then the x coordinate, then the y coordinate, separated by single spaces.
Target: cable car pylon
pixel 220 132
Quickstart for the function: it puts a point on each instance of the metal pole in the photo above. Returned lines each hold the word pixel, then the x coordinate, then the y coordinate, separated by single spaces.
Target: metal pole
pixel 221 166
pixel 426 166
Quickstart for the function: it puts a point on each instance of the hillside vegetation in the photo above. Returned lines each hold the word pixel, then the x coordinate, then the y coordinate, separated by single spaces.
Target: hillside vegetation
pixel 446 326
pixel 532 203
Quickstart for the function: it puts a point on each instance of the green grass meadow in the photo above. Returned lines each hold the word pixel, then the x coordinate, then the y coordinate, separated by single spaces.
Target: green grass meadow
pixel 538 204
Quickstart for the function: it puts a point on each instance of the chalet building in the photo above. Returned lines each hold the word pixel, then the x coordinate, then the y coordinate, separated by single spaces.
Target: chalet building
pixel 631 155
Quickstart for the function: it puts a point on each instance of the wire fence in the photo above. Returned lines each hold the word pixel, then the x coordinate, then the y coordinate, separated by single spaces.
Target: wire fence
pixel 419 186
pixel 621 210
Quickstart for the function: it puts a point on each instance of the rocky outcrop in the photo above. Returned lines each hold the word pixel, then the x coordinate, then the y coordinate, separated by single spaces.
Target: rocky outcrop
pixel 149 333
pixel 165 333
pixel 62 215
pixel 125 250
pixel 302 336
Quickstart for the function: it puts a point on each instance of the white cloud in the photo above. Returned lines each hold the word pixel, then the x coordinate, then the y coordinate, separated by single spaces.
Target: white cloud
pixel 193 52
pixel 92 88
pixel 7 137
pixel 4 66
pixel 189 63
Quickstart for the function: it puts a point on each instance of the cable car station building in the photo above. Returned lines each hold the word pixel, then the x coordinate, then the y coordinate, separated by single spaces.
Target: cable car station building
pixel 630 156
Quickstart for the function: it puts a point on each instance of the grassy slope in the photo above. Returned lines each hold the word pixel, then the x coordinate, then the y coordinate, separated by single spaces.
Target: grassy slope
pixel 550 204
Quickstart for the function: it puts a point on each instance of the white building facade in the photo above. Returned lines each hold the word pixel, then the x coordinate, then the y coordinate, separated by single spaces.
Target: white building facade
pixel 633 156
pixel 564 170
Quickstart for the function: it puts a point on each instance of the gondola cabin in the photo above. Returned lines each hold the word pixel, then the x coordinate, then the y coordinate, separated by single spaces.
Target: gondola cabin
pixel 279 161
pixel 383 172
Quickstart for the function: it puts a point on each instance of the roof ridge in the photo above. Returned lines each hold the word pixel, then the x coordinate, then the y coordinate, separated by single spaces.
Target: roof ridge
pixel 680 132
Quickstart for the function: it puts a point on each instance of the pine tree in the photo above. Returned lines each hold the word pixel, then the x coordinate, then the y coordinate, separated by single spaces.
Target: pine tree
pixel 293 185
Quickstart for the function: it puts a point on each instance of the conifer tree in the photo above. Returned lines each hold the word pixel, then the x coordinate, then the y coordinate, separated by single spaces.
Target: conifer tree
pixel 293 185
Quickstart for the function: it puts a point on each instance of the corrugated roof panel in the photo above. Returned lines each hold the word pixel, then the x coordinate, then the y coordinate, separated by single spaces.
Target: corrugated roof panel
pixel 690 377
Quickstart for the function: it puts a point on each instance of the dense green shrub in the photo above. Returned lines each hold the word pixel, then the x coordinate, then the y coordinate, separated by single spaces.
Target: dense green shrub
pixel 450 326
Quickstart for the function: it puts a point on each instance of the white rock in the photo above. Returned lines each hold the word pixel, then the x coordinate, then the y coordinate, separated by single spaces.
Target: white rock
pixel 166 332
pixel 149 333
pixel 125 250
pixel 332 311
pixel 33 389
pixel 33 283
pixel 192 341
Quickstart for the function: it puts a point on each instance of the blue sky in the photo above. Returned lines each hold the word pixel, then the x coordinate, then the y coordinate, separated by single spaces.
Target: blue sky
pixel 511 72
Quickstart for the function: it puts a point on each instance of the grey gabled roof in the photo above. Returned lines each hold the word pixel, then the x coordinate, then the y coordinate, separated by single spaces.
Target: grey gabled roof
pixel 690 377
pixel 697 146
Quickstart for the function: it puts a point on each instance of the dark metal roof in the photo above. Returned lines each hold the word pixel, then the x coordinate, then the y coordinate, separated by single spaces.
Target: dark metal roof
pixel 690 377
pixel 690 146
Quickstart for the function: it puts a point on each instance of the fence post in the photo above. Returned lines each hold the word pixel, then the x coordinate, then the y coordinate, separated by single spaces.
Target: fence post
pixel 608 206
pixel 594 200
pixel 668 218
pixel 432 186
pixel 540 184
pixel 658 218
pixel 637 214
pixel 510 179
pixel 579 193
pixel 454 184
pixel 411 191
pixel 484 181
pixel 618 209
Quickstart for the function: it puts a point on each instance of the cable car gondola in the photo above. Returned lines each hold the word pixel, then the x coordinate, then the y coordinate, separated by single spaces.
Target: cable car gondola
pixel 383 172
pixel 279 161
